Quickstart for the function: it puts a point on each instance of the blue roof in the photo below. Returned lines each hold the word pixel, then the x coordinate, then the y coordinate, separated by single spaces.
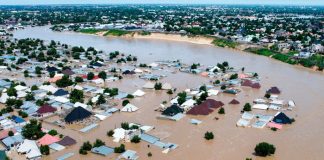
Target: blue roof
pixel 61 92
pixel 31 110
pixel 103 150
pixel 28 104
pixel 4 83
pixel 9 141
pixel 18 119
pixel 149 138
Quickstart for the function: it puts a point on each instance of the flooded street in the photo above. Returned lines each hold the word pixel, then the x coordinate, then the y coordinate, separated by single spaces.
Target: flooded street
pixel 301 140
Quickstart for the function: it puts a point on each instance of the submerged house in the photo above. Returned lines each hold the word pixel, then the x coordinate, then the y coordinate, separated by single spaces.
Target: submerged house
pixel 282 118
pixel 77 114
pixel 46 110
pixel 172 110
pixel 274 90
pixel 205 107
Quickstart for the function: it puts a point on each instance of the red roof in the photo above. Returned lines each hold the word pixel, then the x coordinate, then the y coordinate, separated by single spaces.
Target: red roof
pixel 46 109
pixel 4 133
pixel 247 83
pixel 85 77
pixel 234 101
pixel 256 85
pixel 48 139
pixel 206 107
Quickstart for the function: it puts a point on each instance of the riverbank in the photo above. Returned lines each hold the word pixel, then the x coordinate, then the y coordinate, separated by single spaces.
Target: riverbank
pixel 163 36
pixel 314 63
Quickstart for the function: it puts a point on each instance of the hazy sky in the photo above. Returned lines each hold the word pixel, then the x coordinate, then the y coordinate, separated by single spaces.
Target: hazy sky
pixel 288 2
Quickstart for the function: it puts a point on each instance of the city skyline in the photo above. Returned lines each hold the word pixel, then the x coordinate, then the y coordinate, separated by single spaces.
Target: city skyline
pixel 273 2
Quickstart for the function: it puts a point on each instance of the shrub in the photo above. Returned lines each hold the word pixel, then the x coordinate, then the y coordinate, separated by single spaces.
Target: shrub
pixel 78 79
pixel 221 111
pixel 11 133
pixel 209 135
pixel 136 139
pixel 149 154
pixel 223 87
pixel 130 96
pixel 158 86
pixel 98 143
pixel 169 91
pixel 247 107
pixel 82 151
pixel 125 125
pixel 44 150
pixel 52 132
pixel 125 102
pixel 86 146
pixel 110 133
pixel 120 149
pixel 267 95
pixel 264 149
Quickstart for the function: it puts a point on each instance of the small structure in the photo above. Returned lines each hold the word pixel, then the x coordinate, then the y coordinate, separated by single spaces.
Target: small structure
pixel 129 108
pixel 139 93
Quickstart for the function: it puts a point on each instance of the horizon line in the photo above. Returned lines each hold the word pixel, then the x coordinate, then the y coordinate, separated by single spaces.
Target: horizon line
pixel 224 4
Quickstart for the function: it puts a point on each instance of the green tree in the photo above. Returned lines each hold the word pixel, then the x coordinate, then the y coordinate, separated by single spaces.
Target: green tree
pixel 78 79
pixel 53 132
pixel 101 99
pixel 76 96
pixel 98 143
pixel 120 149
pixel 64 82
pixel 44 149
pixel 90 76
pixel 125 102
pixel 102 75
pixel 33 130
pixel 209 135
pixel 264 149
pixel 136 139
pixel 247 107
pixel 12 91
pixel 11 133
pixel 158 86
pixel 124 125
pixel 221 111
pixel 110 133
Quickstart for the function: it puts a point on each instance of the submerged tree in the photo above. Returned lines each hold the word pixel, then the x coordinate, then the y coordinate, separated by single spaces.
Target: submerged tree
pixel 264 149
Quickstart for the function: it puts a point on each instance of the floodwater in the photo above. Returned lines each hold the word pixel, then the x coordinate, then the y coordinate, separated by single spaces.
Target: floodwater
pixel 301 140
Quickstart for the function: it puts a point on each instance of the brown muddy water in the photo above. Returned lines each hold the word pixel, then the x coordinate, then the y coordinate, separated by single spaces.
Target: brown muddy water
pixel 304 139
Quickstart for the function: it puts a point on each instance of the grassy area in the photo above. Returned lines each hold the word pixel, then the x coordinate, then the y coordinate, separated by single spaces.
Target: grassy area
pixel 315 60
pixel 262 51
pixel 224 43
pixel 144 33
pixel 90 31
pixel 115 32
